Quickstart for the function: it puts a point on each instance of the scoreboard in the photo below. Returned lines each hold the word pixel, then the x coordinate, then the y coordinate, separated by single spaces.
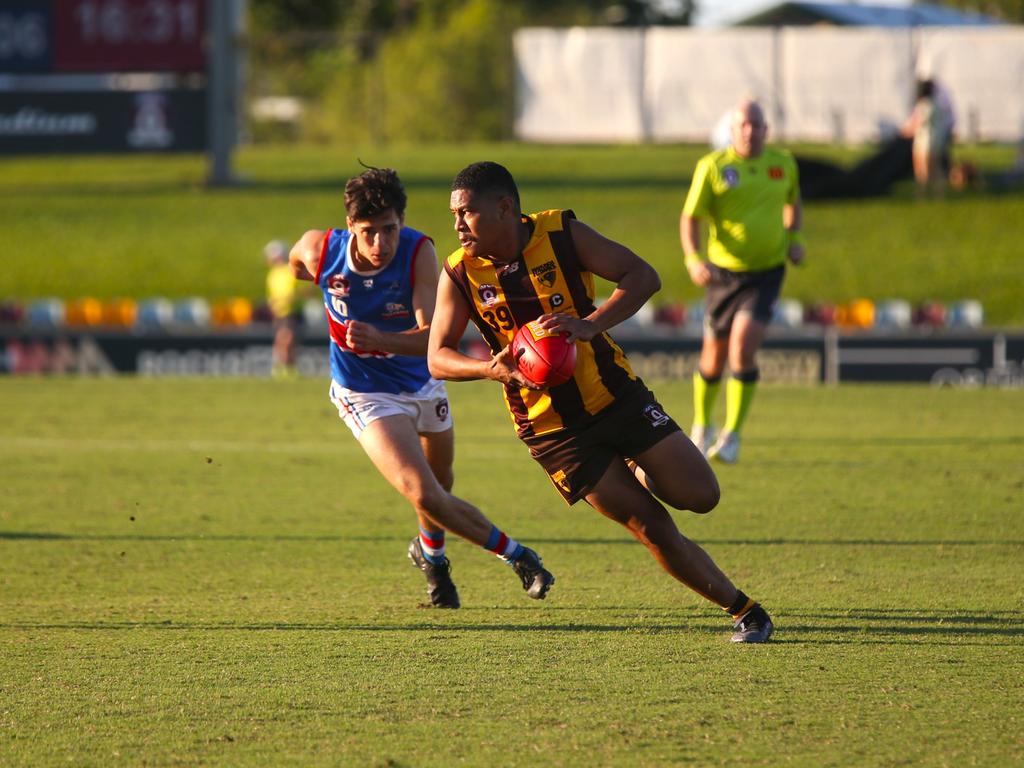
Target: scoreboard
pixel 102 36
pixel 69 75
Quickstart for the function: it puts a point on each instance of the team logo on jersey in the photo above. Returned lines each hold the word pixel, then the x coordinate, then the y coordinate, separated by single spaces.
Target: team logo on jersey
pixel 731 176
pixel 488 294
pixel 557 300
pixel 394 287
pixel 655 415
pixel 442 409
pixel 545 274
pixel 393 309
pixel 775 172
pixel 337 285
pixel 559 478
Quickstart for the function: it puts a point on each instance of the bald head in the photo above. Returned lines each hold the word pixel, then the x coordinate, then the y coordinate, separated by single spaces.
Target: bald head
pixel 749 129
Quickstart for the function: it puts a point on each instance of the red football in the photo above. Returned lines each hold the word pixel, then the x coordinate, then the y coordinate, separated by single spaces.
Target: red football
pixel 544 357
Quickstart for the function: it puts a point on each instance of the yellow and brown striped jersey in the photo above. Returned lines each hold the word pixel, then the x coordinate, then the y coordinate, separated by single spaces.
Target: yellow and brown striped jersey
pixel 547 277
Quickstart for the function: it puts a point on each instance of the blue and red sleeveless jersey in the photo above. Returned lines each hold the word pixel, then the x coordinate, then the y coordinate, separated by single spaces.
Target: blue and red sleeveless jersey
pixel 382 298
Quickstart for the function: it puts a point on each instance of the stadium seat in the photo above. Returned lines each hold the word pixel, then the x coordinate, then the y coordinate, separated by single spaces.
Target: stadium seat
pixel 261 313
pixel 859 313
pixel 45 313
pixel 820 313
pixel 234 312
pixel 893 314
pixel 11 312
pixel 84 312
pixel 120 312
pixel 313 313
pixel 695 316
pixel 643 318
pixel 789 313
pixel 967 313
pixel 930 313
pixel 192 312
pixel 155 313
pixel 671 314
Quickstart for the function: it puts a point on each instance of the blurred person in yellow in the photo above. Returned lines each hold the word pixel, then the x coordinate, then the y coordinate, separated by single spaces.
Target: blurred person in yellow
pixel 749 195
pixel 284 300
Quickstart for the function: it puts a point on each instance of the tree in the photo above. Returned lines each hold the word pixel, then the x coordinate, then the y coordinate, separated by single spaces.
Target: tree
pixel 1008 10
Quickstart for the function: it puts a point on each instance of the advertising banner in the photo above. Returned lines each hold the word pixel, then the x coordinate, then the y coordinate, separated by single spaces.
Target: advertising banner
pixel 103 121
pixel 983 359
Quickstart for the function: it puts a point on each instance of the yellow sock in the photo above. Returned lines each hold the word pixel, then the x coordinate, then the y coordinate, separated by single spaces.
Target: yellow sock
pixel 705 390
pixel 739 393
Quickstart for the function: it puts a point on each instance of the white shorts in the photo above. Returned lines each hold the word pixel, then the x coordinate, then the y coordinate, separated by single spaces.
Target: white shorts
pixel 428 408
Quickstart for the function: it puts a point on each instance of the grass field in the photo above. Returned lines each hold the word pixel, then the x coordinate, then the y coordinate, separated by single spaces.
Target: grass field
pixel 147 226
pixel 210 573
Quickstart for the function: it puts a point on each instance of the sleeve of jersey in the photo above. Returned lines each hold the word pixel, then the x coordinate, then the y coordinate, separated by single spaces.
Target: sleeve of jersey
pixel 697 201
pixel 324 268
pixel 794 174
pixel 451 266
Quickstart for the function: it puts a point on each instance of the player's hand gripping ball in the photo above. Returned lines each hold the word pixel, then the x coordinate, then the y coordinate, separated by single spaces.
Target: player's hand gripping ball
pixel 542 356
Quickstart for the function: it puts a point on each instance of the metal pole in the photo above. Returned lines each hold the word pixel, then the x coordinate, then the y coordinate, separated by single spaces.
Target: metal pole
pixel 223 24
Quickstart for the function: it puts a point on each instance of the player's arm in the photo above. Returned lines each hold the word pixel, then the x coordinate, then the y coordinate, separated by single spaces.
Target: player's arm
pixel 698 200
pixel 689 235
pixel 304 257
pixel 635 282
pixel 364 336
pixel 793 220
pixel 451 316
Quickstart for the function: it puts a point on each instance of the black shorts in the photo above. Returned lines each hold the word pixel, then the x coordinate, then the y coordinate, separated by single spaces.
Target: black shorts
pixel 577 458
pixel 293 321
pixel 731 292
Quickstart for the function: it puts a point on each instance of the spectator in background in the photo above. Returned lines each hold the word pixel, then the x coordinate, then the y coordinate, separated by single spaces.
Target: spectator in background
pixel 284 301
pixel 928 127
pixel 749 194
pixel 944 101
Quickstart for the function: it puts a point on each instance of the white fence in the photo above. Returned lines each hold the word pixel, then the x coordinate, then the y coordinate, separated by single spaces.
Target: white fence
pixel 817 84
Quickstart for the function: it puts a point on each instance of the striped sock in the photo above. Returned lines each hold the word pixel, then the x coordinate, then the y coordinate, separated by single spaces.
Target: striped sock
pixel 433 545
pixel 506 548
pixel 740 605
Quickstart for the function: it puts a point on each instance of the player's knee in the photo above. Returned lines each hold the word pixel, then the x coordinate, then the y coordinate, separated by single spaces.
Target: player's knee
pixel 706 497
pixel 431 499
pixel 446 479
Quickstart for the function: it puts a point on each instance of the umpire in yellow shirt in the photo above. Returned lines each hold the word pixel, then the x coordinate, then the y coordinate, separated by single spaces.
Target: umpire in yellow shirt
pixel 750 196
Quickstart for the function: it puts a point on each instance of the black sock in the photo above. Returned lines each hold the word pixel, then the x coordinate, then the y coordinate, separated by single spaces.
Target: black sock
pixel 740 605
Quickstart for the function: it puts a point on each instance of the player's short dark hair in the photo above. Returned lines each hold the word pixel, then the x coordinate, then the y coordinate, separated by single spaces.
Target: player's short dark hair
pixel 374 191
pixel 487 178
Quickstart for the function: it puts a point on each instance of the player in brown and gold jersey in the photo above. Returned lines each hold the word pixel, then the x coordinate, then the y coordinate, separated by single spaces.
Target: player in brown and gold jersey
pixel 601 436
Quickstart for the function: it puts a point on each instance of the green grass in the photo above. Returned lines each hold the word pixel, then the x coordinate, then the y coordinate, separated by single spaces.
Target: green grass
pixel 147 226
pixel 209 572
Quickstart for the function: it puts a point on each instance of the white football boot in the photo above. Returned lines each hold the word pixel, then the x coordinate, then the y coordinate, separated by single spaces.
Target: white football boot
pixel 726 449
pixel 703 437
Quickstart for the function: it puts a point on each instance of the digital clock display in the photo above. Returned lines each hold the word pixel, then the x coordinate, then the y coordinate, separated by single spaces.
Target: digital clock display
pixel 128 35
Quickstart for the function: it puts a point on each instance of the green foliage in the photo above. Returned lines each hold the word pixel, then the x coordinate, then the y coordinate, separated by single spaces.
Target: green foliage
pixel 1011 11
pixel 212 573
pixel 408 70
pixel 447 77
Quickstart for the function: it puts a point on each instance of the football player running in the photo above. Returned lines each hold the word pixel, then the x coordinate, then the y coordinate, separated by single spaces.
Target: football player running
pixel 601 436
pixel 379 282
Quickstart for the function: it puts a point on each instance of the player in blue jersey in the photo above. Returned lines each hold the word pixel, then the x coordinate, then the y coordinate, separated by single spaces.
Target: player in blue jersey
pixel 379 282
